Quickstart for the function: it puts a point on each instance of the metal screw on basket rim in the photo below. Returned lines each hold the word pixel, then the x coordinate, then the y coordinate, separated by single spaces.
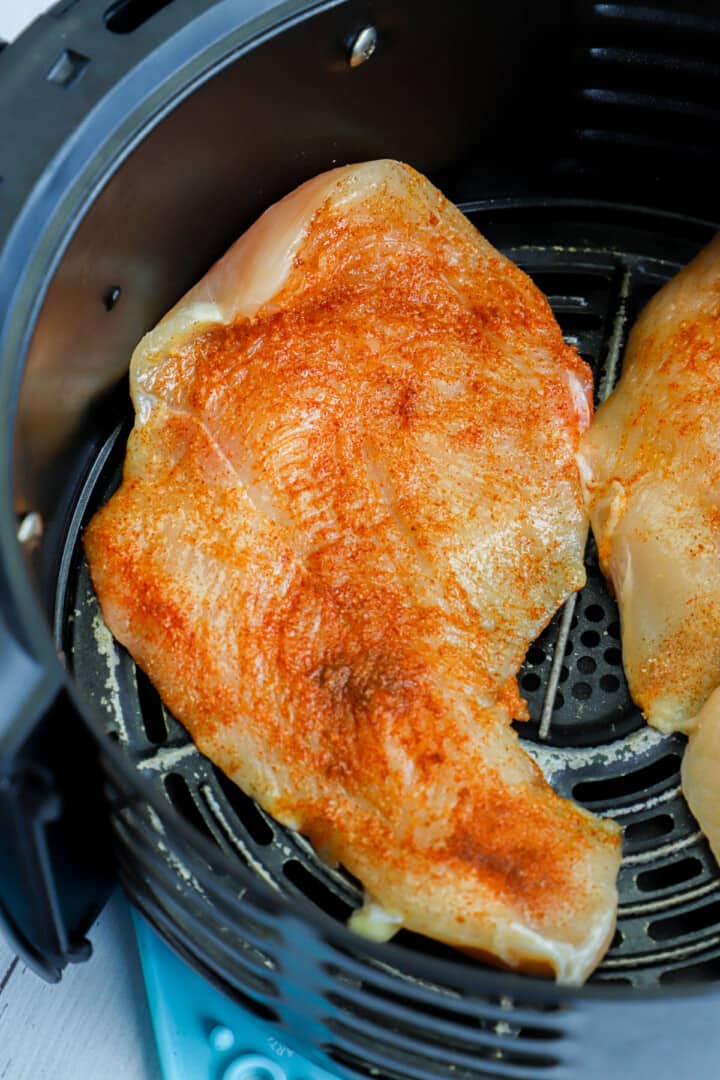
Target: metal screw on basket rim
pixel 30 527
pixel 363 46
pixel 111 297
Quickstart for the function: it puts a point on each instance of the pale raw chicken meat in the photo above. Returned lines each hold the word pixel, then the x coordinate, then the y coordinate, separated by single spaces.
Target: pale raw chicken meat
pixel 701 771
pixel 350 501
pixel 651 467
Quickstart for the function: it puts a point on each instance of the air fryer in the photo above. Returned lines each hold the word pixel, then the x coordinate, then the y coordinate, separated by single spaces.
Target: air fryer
pixel 137 140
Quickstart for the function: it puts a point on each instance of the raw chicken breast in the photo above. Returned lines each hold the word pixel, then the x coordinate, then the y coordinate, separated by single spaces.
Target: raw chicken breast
pixel 651 466
pixel 350 501
pixel 701 771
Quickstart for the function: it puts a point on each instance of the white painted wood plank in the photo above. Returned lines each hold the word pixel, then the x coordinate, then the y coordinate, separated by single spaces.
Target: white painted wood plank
pixel 94 1023
pixel 16 14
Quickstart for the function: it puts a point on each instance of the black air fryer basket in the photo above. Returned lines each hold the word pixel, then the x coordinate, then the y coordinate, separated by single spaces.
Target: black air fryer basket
pixel 137 140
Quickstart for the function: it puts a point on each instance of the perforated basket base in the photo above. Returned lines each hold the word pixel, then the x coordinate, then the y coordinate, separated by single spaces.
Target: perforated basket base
pixel 598 264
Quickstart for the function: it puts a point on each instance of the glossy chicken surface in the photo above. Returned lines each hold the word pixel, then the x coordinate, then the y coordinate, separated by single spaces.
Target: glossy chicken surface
pixel 350 501
pixel 701 771
pixel 651 465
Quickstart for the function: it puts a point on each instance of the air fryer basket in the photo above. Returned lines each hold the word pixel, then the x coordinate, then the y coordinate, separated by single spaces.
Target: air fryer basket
pixel 579 138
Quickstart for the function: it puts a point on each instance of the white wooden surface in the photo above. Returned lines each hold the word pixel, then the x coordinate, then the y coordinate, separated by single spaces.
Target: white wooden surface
pixel 16 14
pixel 93 1024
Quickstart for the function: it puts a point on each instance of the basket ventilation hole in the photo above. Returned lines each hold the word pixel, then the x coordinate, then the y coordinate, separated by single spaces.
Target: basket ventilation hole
pixel 315 890
pixel 127 15
pixel 691 923
pixel 707 971
pixel 649 829
pixel 256 825
pixel 595 791
pixel 381 997
pixel 260 1009
pixel 151 709
pixel 575 322
pixel 666 876
pixel 181 797
pixel 513 1054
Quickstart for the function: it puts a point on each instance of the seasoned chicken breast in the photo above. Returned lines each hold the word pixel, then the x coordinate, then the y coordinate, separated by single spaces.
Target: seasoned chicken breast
pixel 350 501
pixel 701 771
pixel 651 466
